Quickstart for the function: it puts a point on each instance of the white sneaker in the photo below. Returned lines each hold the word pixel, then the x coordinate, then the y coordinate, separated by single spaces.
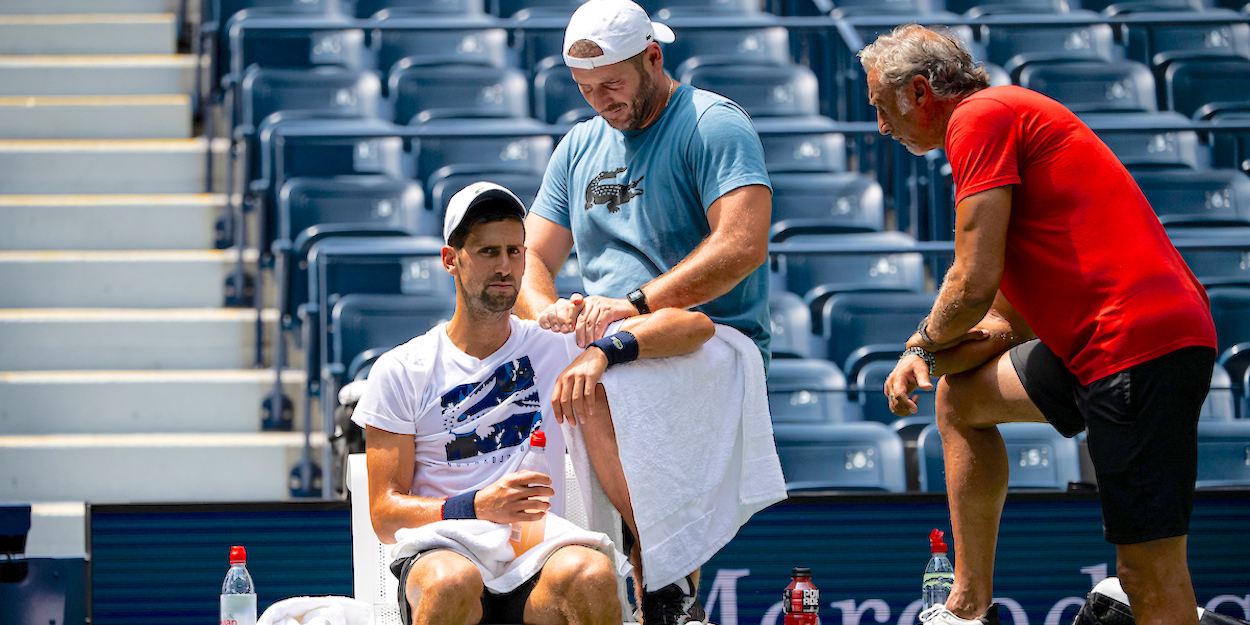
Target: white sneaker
pixel 939 615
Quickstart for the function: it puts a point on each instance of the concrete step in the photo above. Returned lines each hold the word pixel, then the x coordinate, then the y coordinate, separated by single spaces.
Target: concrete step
pixel 114 222
pixel 57 530
pixel 88 33
pixel 39 167
pixel 118 402
pixel 87 339
pixel 96 117
pixel 124 468
pixel 47 7
pixel 129 279
pixel 127 74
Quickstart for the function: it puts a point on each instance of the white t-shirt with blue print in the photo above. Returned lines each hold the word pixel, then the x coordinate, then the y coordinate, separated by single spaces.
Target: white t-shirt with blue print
pixel 636 202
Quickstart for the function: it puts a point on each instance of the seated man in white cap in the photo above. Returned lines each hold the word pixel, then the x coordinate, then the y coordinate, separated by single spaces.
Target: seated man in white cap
pixel 667 199
pixel 448 413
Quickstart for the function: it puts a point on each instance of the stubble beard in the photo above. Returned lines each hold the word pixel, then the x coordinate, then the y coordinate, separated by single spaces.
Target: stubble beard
pixel 641 106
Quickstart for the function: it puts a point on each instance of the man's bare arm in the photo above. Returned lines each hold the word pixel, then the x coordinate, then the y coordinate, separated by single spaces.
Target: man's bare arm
pixel 547 247
pixel 971 283
pixel 1003 328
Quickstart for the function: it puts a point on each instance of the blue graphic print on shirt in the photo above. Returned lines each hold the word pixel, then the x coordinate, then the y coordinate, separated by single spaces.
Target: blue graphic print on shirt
pixel 509 391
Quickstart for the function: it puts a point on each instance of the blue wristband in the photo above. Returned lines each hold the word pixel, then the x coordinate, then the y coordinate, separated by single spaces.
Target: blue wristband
pixel 460 506
pixel 620 347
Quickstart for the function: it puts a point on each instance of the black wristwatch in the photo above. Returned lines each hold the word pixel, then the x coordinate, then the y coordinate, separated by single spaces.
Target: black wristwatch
pixel 639 300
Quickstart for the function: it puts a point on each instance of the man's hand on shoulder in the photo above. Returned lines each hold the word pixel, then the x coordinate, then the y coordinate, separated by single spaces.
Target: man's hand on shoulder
pixel 573 397
pixel 598 314
pixel 507 500
pixel 562 315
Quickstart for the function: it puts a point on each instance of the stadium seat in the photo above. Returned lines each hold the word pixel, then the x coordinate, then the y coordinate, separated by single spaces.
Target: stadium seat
pixel 524 184
pixel 1220 404
pixel 665 9
pixel 1142 148
pixel 1230 309
pixel 1214 268
pixel 788 90
pixel 1094 86
pixel 930 9
pixel 1200 88
pixel 825 203
pixel 424 92
pixel 808 145
pixel 300 43
pixel 365 326
pixel 870 383
pixel 764 44
pixel 461 41
pixel 840 456
pixel 982 8
pixel 1202 197
pixel 514 8
pixel 879 321
pixel 1112 7
pixel 431 8
pixel 806 390
pixel 557 98
pixel 483 145
pixel 1012 47
pixel 1157 44
pixel 1223 454
pixel 1038 457
pixel 817 276
pixel 791 323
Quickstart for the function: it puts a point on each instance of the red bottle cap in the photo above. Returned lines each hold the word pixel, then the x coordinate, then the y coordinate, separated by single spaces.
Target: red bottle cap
pixel 538 439
pixel 936 544
pixel 238 555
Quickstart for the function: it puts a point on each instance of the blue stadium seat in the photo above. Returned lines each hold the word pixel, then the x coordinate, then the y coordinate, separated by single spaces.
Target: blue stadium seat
pixel 405 8
pixel 557 98
pixel 1223 454
pixel 1143 148
pixel 462 41
pixel 300 43
pixel 1201 87
pixel 870 382
pixel 825 203
pixel 840 456
pixel 1094 86
pixel 807 145
pixel 1220 404
pixel 817 276
pixel 424 92
pixel 1012 47
pixel 806 390
pixel 364 326
pixel 1202 197
pixel 1038 457
pixel 1214 268
pixel 518 145
pixel 982 8
pixel 1230 309
pixel 764 44
pixel 514 8
pixel 1157 44
pixel 665 9
pixel 791 323
pixel 879 321
pixel 788 90
pixel 524 184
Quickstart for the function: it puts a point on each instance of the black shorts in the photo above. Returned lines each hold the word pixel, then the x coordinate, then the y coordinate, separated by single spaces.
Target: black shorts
pixel 1142 426
pixel 496 609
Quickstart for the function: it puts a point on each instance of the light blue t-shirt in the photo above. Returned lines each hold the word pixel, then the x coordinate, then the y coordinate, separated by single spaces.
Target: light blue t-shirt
pixel 637 202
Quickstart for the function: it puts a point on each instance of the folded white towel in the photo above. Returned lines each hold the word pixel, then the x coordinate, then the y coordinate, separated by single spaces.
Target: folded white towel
pixel 327 610
pixel 696 446
pixel 486 545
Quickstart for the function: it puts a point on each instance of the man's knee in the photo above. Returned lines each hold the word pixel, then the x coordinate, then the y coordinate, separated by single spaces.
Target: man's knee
pixel 953 395
pixel 580 571
pixel 444 577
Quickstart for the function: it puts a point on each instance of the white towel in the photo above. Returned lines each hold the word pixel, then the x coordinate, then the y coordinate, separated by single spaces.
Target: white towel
pixel 486 545
pixel 696 445
pixel 327 610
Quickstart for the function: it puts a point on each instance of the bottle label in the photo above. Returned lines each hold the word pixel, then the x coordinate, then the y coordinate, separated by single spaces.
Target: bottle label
pixel 805 600
pixel 238 609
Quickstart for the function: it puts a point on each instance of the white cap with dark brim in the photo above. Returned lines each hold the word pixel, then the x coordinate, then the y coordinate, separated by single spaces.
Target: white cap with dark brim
pixel 620 28
pixel 473 195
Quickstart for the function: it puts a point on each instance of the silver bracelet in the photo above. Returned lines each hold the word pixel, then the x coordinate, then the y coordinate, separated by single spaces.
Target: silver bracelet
pixel 925 355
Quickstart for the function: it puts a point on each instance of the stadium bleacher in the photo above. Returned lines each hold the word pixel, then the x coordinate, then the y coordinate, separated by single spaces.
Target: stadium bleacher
pixel 354 121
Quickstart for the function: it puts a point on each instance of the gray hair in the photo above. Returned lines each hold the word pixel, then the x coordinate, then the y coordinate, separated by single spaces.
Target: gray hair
pixel 913 50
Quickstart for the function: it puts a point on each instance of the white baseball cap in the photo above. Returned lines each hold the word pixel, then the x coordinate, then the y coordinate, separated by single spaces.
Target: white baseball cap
pixel 620 28
pixel 472 196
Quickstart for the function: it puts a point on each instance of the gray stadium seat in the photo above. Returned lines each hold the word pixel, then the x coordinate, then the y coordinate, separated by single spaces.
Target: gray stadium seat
pixel 806 390
pixel 420 93
pixel 840 456
pixel 1038 456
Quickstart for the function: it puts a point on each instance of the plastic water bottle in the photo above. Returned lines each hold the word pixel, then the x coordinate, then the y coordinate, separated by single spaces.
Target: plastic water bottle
pixel 238 594
pixel 526 534
pixel 801 599
pixel 939 576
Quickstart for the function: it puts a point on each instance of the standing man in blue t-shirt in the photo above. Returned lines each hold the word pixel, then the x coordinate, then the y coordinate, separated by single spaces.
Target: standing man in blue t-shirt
pixel 666 199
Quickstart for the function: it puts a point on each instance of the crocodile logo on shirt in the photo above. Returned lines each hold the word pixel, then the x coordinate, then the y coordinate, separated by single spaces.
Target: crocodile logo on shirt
pixel 614 195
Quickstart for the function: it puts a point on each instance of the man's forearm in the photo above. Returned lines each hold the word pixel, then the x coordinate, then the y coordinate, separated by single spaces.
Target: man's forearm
pixel 538 288
pixel 711 270
pixel 959 307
